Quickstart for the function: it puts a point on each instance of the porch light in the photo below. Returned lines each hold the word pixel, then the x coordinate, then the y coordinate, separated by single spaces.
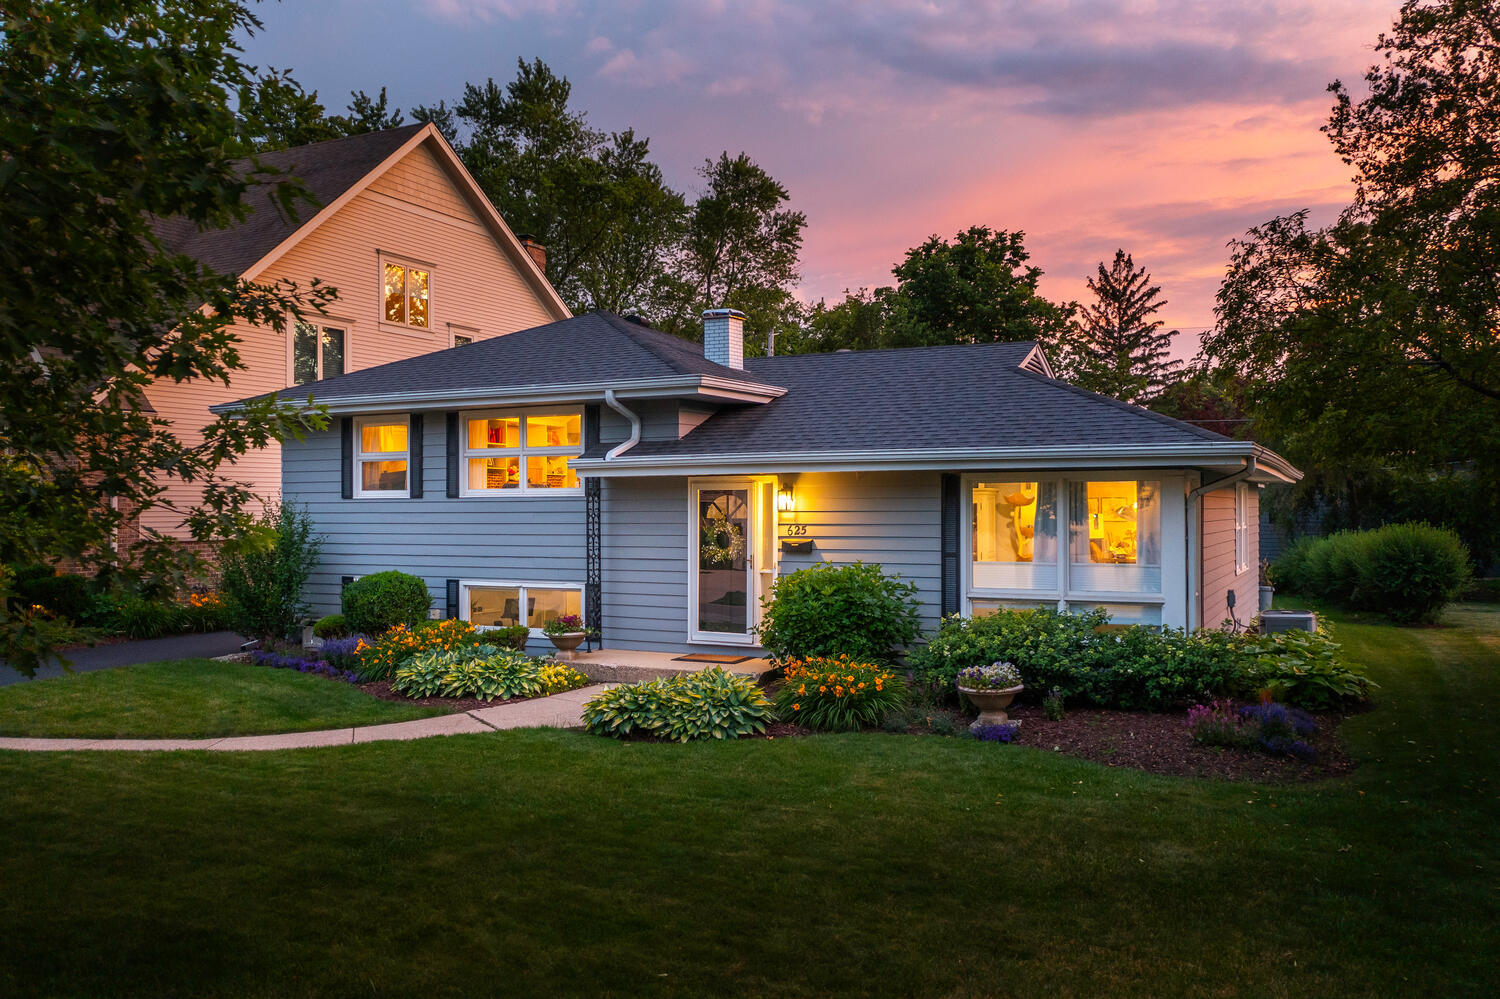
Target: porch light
pixel 786 501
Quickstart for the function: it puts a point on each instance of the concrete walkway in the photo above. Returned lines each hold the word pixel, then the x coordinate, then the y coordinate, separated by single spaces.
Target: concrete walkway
pixel 558 711
pixel 151 650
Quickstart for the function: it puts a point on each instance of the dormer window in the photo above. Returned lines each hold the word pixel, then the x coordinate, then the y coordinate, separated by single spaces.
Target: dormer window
pixel 407 292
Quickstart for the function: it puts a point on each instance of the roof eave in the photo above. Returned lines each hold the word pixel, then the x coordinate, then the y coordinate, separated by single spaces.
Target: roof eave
pixel 710 388
pixel 1226 455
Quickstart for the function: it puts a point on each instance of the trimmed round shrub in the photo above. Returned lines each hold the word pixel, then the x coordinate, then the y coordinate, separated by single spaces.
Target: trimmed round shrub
pixel 377 603
pixel 840 610
pixel 1290 570
pixel 332 626
pixel 1335 566
pixel 1412 571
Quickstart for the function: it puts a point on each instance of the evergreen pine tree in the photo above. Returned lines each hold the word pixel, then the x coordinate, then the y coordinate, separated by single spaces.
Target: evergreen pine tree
pixel 1116 347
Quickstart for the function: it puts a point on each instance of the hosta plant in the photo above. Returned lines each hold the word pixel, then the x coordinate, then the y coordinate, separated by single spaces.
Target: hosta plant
pixel 486 672
pixel 1305 669
pixel 838 695
pixel 708 704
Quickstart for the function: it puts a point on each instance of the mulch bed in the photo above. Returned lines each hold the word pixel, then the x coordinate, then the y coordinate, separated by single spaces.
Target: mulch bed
pixel 1160 744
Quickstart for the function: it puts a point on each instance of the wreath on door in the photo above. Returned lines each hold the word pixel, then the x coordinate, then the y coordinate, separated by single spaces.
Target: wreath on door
pixel 720 541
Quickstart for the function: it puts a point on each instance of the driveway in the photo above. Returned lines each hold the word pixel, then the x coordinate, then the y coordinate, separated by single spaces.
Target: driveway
pixel 216 643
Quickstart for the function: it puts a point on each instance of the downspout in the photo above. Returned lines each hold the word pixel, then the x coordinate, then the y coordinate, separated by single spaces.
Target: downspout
pixel 1195 535
pixel 635 426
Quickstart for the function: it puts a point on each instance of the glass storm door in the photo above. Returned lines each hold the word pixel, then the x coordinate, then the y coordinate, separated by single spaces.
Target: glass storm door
pixel 733 564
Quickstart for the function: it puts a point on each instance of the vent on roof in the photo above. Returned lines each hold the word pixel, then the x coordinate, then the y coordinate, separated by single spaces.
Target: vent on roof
pixel 1036 363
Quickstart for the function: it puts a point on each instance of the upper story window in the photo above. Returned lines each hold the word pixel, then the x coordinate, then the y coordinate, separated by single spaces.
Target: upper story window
pixel 381 456
pixel 407 293
pixel 318 352
pixel 514 451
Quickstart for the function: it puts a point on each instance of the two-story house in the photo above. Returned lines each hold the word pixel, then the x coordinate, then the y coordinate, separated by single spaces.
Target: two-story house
pixel 419 256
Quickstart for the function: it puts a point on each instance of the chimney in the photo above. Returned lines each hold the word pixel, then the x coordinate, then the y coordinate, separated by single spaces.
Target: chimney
pixel 724 337
pixel 536 250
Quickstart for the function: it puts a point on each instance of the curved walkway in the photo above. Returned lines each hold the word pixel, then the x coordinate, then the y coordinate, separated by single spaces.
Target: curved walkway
pixel 563 710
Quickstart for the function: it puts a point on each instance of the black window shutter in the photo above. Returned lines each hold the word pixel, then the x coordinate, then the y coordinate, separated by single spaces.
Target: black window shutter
pixel 344 585
pixel 346 472
pixel 453 456
pixel 414 450
pixel 590 428
pixel 950 534
pixel 452 599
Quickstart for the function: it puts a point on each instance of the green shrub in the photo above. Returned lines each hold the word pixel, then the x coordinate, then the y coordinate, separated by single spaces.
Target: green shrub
pixel 514 637
pixel 1412 571
pixel 1290 570
pixel 375 604
pixel 1304 669
pixel 331 626
pixel 263 573
pixel 833 610
pixel 203 612
pixel 1135 668
pixel 64 595
pixel 708 704
pixel 838 695
pixel 484 671
pixel 380 657
pixel 137 617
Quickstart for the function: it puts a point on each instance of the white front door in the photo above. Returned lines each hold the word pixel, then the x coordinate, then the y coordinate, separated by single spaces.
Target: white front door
pixel 731 557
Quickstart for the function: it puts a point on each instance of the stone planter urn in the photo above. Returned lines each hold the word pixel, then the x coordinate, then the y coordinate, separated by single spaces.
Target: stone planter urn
pixel 567 643
pixel 992 705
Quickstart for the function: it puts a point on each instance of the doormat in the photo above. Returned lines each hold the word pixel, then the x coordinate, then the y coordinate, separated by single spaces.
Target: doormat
pixel 709 657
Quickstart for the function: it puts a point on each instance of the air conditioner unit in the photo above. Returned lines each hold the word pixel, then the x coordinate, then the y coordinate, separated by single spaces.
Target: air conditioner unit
pixel 1287 620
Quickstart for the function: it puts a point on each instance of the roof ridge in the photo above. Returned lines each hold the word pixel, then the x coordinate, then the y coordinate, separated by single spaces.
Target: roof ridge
pixel 621 325
pixel 366 136
pixel 1122 404
pixel 863 352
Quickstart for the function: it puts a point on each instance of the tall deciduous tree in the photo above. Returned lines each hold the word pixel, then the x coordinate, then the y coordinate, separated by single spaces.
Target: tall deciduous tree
pixel 977 289
pixel 1117 346
pixel 1377 339
pixel 115 115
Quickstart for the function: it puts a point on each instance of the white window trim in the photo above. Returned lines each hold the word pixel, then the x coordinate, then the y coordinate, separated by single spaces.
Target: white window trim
pixel 755 591
pixel 347 325
pixel 456 330
pixel 1063 595
pixel 383 258
pixel 1241 528
pixel 464 585
pixel 361 456
pixel 524 488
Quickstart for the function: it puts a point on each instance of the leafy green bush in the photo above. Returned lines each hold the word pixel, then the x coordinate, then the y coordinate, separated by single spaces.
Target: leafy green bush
pixel 380 657
pixel 262 574
pixel 203 612
pixel 1135 668
pixel 375 604
pixel 1413 571
pixel 331 626
pixel 1408 572
pixel 708 704
pixel 514 637
pixel 1304 669
pixel 833 610
pixel 137 617
pixel 838 695
pixel 485 672
pixel 65 595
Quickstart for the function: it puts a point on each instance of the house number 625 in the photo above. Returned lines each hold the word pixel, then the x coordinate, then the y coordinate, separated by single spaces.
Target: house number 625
pixel 796 530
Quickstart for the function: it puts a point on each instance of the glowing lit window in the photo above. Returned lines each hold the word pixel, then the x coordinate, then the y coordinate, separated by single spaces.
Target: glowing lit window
pixel 317 352
pixel 505 605
pixel 521 452
pixel 1013 536
pixel 406 291
pixel 380 457
pixel 1114 531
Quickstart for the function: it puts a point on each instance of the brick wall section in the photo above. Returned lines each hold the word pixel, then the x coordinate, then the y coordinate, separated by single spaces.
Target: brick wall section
pixel 413 211
pixel 1219 576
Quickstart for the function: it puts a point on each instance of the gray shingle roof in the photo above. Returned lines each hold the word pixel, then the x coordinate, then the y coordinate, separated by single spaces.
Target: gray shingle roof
pixel 326 169
pixel 966 396
pixel 588 349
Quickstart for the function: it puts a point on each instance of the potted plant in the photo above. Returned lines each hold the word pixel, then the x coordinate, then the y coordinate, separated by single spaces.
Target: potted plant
pixel 566 632
pixel 1267 585
pixel 991 688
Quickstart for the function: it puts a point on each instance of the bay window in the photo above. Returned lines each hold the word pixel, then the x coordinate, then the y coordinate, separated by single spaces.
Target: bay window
pixel 505 605
pixel 520 452
pixel 381 456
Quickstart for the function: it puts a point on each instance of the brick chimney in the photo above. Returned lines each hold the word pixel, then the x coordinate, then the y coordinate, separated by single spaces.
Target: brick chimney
pixel 537 251
pixel 724 337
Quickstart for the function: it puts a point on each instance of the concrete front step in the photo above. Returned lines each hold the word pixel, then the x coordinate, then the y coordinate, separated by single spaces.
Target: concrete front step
pixel 632 666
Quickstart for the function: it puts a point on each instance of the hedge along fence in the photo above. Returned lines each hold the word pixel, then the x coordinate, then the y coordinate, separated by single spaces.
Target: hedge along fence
pixel 1408 572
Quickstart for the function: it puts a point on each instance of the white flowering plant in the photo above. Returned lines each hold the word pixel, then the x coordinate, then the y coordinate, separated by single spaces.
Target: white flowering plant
pixel 996 676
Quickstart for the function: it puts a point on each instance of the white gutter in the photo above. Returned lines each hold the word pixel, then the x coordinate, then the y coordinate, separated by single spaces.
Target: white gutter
pixel 1225 482
pixel 635 426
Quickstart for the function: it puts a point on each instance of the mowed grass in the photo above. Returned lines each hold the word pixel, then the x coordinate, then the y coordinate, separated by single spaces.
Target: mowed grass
pixel 554 863
pixel 187 698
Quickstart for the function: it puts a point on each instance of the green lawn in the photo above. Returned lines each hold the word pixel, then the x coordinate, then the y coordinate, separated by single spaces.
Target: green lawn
pixel 553 863
pixel 190 697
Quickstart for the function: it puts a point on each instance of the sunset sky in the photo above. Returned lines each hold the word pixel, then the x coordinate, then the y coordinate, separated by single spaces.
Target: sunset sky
pixel 1165 128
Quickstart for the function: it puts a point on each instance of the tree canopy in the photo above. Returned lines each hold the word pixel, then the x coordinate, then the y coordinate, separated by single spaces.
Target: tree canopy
pixel 1116 346
pixel 114 117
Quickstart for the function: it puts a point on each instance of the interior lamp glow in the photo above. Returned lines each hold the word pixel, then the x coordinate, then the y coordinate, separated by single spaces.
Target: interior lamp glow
pixel 786 501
